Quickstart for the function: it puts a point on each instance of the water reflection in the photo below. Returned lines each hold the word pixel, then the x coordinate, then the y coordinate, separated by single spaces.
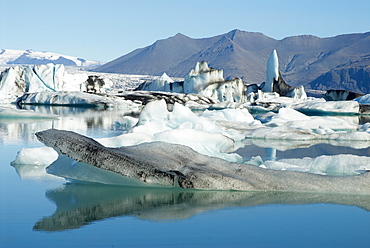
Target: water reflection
pixel 79 205
pixel 81 120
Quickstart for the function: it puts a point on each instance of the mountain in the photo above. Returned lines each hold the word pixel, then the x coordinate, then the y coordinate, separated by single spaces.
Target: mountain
pixel 244 54
pixel 29 57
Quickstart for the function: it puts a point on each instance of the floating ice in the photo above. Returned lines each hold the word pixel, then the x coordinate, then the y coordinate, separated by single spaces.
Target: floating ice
pixel 344 164
pixel 171 165
pixel 363 99
pixel 343 107
pixel 181 126
pixel 160 84
pixel 36 156
pixel 202 80
pixel 37 78
pixel 81 99
pixel 31 163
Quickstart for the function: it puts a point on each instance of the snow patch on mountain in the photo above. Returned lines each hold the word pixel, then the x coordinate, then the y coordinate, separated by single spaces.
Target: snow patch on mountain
pixel 30 57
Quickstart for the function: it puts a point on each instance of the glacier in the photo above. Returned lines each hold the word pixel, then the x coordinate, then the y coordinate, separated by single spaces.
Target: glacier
pixel 30 57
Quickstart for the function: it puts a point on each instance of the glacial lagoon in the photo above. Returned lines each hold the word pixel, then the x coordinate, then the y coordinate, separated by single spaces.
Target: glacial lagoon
pixel 40 210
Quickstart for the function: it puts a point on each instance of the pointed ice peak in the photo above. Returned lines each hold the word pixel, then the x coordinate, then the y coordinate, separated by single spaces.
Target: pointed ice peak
pixel 166 78
pixel 201 67
pixel 272 71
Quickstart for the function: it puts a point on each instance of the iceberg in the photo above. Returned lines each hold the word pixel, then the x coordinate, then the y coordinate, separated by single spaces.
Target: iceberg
pixel 272 72
pixel 80 99
pixel 31 163
pixel 172 165
pixel 17 80
pixel 181 126
pixel 331 107
pixel 203 80
pixel 275 82
pixel 8 112
pixel 363 99
pixel 340 95
pixel 344 164
pixel 163 83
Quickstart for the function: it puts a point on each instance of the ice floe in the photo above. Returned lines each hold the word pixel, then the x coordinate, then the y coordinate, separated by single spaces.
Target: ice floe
pixel 170 165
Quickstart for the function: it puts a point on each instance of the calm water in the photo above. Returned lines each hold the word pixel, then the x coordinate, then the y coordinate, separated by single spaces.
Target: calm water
pixel 41 211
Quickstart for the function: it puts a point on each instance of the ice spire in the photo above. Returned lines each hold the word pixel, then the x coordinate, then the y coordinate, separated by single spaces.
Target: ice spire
pixel 272 71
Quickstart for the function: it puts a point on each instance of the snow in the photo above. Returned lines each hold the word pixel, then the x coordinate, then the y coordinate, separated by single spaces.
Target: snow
pixel 10 56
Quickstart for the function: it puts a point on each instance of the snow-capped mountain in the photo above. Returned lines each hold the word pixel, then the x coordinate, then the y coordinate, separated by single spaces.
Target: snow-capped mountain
pixel 30 57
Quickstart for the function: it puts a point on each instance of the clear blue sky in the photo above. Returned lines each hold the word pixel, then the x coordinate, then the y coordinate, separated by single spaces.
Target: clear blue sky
pixel 106 29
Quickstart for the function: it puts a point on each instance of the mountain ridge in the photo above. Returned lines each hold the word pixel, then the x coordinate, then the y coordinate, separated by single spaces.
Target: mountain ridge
pixel 30 57
pixel 243 54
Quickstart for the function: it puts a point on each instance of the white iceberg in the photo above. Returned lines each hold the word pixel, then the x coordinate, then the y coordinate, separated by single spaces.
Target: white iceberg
pixel 81 99
pixel 344 164
pixel 17 80
pixel 161 84
pixel 203 80
pixel 363 99
pixel 272 72
pixel 275 82
pixel 319 107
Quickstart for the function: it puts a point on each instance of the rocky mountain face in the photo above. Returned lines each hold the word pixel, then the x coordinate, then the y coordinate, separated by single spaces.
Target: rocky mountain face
pixel 244 54
pixel 355 79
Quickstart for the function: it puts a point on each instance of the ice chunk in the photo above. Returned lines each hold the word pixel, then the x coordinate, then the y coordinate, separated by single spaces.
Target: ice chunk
pixel 181 126
pixel 67 98
pixel 36 156
pixel 272 71
pixel 38 78
pixel 211 144
pixel 235 115
pixel 344 164
pixel 31 163
pixel 343 107
pixel 171 165
pixel 160 84
pixel 363 99
pixel 202 80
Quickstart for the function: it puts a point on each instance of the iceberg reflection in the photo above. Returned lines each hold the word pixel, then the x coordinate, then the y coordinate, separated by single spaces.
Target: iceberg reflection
pixel 79 205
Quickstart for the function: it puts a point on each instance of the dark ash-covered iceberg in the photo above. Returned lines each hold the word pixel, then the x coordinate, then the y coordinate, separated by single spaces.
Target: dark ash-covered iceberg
pixel 171 165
